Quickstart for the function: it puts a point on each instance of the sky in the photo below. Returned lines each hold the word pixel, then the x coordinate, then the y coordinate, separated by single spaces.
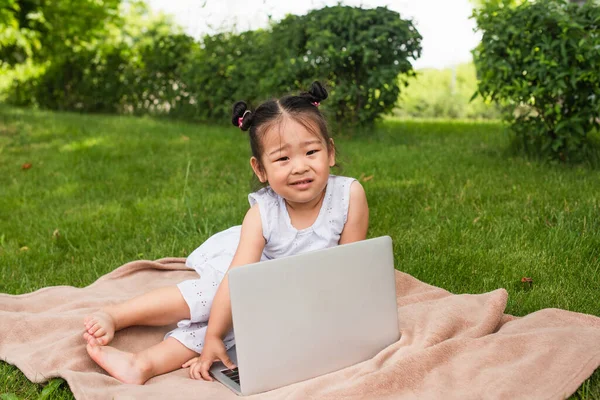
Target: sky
pixel 447 31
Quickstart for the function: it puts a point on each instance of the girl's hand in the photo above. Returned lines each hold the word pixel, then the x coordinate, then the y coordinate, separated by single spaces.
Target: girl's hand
pixel 214 350
pixel 191 361
pixel 195 366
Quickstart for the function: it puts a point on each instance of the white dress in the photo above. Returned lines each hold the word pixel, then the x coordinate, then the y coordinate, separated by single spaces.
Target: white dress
pixel 212 259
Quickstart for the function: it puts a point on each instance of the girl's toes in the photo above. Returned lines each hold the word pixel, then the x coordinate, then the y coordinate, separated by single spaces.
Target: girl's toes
pixel 92 341
pixel 99 332
pixel 94 329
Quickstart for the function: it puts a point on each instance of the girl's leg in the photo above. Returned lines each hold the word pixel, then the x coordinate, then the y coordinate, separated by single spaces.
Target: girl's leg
pixel 159 307
pixel 137 368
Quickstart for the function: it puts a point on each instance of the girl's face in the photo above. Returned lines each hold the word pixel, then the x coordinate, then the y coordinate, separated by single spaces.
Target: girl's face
pixel 295 162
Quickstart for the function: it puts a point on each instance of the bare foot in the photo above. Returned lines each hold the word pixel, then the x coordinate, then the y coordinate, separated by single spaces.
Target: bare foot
pixel 100 328
pixel 126 367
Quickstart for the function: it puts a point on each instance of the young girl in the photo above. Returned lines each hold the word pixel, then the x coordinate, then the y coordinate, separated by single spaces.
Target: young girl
pixel 303 208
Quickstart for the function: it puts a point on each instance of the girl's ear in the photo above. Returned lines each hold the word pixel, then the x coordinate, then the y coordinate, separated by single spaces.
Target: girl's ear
pixel 262 177
pixel 331 150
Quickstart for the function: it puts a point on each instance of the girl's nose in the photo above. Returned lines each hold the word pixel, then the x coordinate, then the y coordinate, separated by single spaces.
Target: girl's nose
pixel 299 166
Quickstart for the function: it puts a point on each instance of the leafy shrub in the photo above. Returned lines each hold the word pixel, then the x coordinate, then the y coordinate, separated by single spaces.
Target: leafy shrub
pixel 38 36
pixel 540 60
pixel 81 81
pixel 358 52
pixel 227 67
pixel 151 80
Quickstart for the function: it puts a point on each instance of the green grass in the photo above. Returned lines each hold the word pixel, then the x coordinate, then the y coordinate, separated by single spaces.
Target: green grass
pixel 463 213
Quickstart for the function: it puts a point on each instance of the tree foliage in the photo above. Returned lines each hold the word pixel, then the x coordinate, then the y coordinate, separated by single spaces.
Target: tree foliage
pixel 17 42
pixel 46 29
pixel 445 94
pixel 128 67
pixel 541 60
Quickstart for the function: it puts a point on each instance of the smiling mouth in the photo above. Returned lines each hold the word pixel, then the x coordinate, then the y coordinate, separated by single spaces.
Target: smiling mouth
pixel 302 182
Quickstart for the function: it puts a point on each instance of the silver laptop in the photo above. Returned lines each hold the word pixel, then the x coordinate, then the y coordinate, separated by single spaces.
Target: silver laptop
pixel 306 315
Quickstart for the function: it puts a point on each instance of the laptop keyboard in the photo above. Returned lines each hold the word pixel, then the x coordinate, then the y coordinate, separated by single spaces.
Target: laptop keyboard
pixel 232 374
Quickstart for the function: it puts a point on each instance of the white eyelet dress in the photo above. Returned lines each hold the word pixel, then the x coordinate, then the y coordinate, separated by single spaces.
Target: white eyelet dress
pixel 212 259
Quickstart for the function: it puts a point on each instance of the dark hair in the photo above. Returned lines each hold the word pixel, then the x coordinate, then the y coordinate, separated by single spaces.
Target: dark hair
pixel 303 108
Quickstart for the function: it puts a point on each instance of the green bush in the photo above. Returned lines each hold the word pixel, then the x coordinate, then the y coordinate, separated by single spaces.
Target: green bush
pixel 226 68
pixel 152 82
pixel 359 53
pixel 82 81
pixel 540 60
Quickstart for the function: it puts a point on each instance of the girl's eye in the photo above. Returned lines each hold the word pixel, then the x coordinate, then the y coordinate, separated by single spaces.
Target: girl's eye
pixel 282 159
pixel 310 153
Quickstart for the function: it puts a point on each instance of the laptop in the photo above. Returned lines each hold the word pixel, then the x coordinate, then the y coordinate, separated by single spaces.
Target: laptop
pixel 306 315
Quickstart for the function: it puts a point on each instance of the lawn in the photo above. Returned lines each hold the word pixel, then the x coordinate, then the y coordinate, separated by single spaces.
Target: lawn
pixel 81 195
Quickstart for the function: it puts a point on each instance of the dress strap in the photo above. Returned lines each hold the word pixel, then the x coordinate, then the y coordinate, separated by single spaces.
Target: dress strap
pixel 267 201
pixel 336 205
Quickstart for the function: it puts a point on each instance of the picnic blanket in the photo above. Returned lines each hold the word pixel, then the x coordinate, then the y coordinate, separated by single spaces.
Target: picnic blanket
pixel 452 346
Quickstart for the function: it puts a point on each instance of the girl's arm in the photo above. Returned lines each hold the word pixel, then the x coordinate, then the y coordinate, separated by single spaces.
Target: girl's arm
pixel 249 250
pixel 357 222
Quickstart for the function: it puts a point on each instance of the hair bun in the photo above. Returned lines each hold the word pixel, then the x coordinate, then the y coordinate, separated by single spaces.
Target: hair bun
pixel 316 93
pixel 240 110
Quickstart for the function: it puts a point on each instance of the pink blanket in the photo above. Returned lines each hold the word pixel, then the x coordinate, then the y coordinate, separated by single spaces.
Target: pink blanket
pixel 452 346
